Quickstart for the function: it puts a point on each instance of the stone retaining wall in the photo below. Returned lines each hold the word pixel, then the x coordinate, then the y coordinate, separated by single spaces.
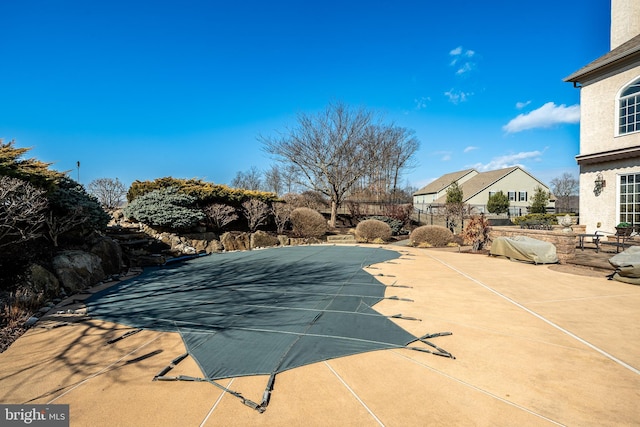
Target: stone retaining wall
pixel 565 243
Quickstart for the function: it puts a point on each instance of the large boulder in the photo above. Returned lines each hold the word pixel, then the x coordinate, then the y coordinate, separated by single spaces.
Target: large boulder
pixel 262 239
pixel 283 239
pixel 204 242
pixel 110 254
pixel 78 270
pixel 44 281
pixel 235 241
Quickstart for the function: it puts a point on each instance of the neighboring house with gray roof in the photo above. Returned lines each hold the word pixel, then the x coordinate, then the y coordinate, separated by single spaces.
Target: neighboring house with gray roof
pixel 516 183
pixel 609 157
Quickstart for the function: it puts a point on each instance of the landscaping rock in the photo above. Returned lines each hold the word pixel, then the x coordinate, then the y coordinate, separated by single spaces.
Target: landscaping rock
pixel 283 239
pixel 262 239
pixel 110 254
pixel 184 249
pixel 204 242
pixel 31 321
pixel 297 241
pixel 44 281
pixel 235 241
pixel 78 270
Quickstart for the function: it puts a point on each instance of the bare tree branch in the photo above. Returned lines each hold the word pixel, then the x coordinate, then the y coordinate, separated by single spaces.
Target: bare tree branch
pixel 58 225
pixel 281 214
pixel 256 211
pixel 249 180
pixel 110 193
pixel 563 188
pixel 331 151
pixel 220 215
pixel 22 208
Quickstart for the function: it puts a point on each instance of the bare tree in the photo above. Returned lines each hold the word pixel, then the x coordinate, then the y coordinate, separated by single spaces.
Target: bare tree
pixel 22 211
pixel 249 180
pixel 332 150
pixel 60 224
pixel 392 153
pixel 281 215
pixel 256 211
pixel 563 188
pixel 109 192
pixel 274 180
pixel 220 215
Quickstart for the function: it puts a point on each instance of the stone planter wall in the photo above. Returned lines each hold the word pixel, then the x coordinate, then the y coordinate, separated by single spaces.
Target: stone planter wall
pixel 565 243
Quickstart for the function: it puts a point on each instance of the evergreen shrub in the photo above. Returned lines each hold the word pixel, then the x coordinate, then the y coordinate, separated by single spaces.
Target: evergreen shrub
pixel 307 222
pixel 70 197
pixel 203 192
pixel 548 218
pixel 168 208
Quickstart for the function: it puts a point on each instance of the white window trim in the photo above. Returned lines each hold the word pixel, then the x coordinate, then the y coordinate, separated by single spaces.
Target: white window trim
pixel 618 179
pixel 617 112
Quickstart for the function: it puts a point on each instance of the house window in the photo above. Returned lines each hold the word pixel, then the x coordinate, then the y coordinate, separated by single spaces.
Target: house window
pixel 629 111
pixel 512 196
pixel 630 198
pixel 492 193
pixel 522 196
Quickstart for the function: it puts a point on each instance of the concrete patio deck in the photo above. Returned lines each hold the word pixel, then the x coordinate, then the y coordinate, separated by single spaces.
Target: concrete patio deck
pixel 534 345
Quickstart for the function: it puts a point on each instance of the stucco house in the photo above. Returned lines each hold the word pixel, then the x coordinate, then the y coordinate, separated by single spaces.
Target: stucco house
pixel 609 157
pixel 515 182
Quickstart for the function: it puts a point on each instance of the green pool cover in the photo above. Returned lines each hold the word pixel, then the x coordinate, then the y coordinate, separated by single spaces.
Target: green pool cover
pixel 262 312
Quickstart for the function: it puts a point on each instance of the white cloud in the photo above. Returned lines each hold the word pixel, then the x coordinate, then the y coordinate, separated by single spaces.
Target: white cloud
pixel 461 59
pixel 521 105
pixel 466 67
pixel 470 148
pixel 421 103
pixel 457 96
pixel 509 160
pixel 457 51
pixel 544 117
pixel 446 155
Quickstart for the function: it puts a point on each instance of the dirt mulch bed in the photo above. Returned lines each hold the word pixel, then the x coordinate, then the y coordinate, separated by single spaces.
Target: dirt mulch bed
pixel 10 333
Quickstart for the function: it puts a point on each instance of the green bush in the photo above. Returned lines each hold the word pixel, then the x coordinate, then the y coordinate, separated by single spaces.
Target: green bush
pixel 539 201
pixel 308 223
pixel 70 197
pixel 395 224
pixel 431 235
pixel 167 208
pixel 33 171
pixel 498 203
pixel 203 192
pixel 371 229
pixel 548 218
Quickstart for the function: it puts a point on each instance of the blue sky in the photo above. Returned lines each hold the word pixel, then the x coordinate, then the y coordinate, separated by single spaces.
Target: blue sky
pixel 146 89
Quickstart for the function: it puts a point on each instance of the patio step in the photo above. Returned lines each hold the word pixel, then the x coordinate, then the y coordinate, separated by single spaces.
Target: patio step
pixel 341 238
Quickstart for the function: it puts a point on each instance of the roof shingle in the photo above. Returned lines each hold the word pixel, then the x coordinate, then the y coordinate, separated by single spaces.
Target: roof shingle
pixel 626 51
pixel 442 182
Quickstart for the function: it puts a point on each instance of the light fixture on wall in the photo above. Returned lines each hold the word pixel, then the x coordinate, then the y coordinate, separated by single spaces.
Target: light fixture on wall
pixel 599 184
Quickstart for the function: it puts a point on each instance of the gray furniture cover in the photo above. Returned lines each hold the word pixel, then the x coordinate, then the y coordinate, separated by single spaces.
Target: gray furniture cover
pixel 523 248
pixel 627 265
